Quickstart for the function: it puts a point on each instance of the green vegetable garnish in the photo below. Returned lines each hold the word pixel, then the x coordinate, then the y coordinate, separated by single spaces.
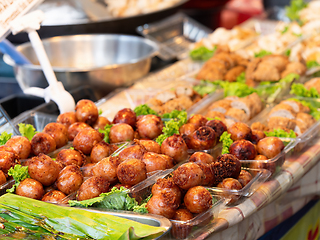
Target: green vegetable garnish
pixel 288 52
pixel 226 140
pixel 237 89
pixel 144 109
pixel 313 106
pixel 202 53
pixel 205 87
pixel 300 90
pixel 262 53
pixel 100 112
pixel 4 137
pixel 27 130
pixel 292 11
pixel 241 78
pixel 106 132
pixel 19 174
pixel 215 118
pixel 286 28
pixel 312 63
pixel 281 133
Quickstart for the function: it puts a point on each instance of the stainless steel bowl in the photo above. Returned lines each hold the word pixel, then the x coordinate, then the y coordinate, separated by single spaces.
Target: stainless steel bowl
pixel 102 61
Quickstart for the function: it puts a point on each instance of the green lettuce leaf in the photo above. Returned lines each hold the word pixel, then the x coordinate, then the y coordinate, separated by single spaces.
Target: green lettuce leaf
pixel 4 137
pixel 312 63
pixel 312 105
pixel 241 78
pixel 300 90
pixel 106 131
pixel 292 11
pixel 27 130
pixel 202 53
pixel 205 87
pixel 226 141
pixel 262 53
pixel 144 109
pixel 281 133
pixel 19 173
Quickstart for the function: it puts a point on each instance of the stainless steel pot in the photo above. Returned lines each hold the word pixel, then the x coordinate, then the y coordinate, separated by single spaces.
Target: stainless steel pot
pixel 102 61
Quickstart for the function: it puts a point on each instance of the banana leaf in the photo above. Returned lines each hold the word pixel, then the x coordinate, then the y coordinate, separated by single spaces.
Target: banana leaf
pixel 68 222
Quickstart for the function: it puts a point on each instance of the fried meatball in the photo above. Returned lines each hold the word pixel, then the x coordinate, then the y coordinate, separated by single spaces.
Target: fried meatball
pixel 149 126
pixel 166 185
pixel 188 175
pixel 132 171
pixel 226 166
pixel 208 174
pixel 71 156
pixel 59 132
pixel 121 132
pixel 218 126
pixel 270 147
pixel 198 199
pixel 187 129
pixel 262 164
pixel 87 111
pixel 154 162
pixel 244 177
pixel 7 160
pixel 53 196
pixel 135 151
pixel 257 136
pixel 127 116
pixel 20 145
pixel 201 157
pixel 42 143
pixel 240 131
pixel 150 145
pixel 30 188
pixel 43 169
pixel 86 139
pixel 180 230
pixel 67 118
pixel 203 138
pixel 92 187
pixel 75 128
pixel 243 149
pixel 5 148
pixel 99 151
pixel 198 120
pixel 175 147
pixel 3 178
pixel 230 184
pixel 164 204
pixel 87 169
pixel 70 179
pixel 107 168
pixel 101 123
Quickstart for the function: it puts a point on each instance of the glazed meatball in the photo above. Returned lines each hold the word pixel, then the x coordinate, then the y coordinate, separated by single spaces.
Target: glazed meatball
pixel 198 199
pixel 54 196
pixel 240 131
pixel 135 151
pixel 3 178
pixel 92 187
pixel 132 171
pixel 121 132
pixel 87 111
pixel 262 164
pixel 244 177
pixel 149 126
pixel 127 116
pixel 230 184
pixel 180 230
pixel 164 204
pixel 7 160
pixel 270 147
pixel 208 174
pixel 201 157
pixel 87 169
pixel 154 162
pixel 42 143
pixel 243 150
pixel 71 156
pixel 43 169
pixel 170 160
pixel 20 145
pixel 175 147
pixel 75 128
pixel 100 151
pixel 59 132
pixel 166 185
pixel 101 123
pixel 187 129
pixel 197 120
pixel 107 168
pixel 67 118
pixel 257 136
pixel 226 166
pixel 150 145
pixel 203 138
pixel 5 148
pixel 86 139
pixel 218 126
pixel 30 188
pixel 69 179
pixel 188 175
pixel 260 157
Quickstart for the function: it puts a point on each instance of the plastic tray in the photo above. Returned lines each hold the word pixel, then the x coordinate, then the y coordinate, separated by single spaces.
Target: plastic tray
pixel 174 35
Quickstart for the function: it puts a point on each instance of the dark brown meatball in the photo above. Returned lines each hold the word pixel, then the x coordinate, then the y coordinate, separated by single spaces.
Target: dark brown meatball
pixel 175 147
pixel 227 165
pixel 197 120
pixel 180 228
pixel 164 204
pixel 87 111
pixel 107 168
pixel 59 132
pixel 198 199
pixel 201 157
pixel 243 150
pixel 3 178
pixel 42 143
pixel 75 128
pixel 69 179
pixel 127 116
pixel 121 132
pixel 149 126
pixel 240 131
pixel 132 171
pixel 43 169
pixel 218 126
pixel 67 118
pixel 54 196
pixel 244 177
pixel 187 129
pixel 188 175
pixel 30 188
pixel 230 184
pixel 150 145
pixel 7 160
pixel 20 145
pixel 166 185
pixel 203 138
pixel 71 156
pixel 101 123
pixel 257 136
pixel 100 151
pixel 92 187
pixel 154 162
pixel 86 139
pixel 135 151
pixel 270 147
